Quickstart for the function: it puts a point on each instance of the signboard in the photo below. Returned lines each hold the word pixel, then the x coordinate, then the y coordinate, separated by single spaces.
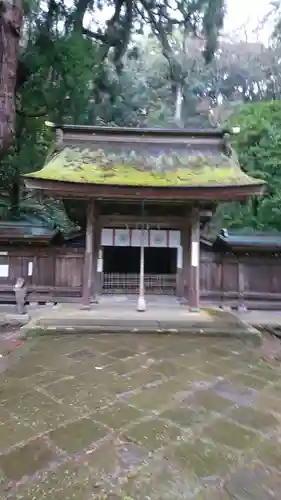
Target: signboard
pixel 136 238
pixel 100 265
pixel 107 237
pixel 174 239
pixel 122 238
pixel 4 270
pixel 161 238
pixel 100 261
pixel 158 238
pixel 195 254
pixel 179 258
pixel 30 269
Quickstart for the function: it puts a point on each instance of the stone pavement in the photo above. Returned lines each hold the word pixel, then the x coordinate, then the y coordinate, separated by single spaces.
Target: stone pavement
pixel 261 317
pixel 135 417
pixel 10 341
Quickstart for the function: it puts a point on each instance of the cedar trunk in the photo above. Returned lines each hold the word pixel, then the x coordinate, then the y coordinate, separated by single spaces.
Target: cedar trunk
pixel 11 20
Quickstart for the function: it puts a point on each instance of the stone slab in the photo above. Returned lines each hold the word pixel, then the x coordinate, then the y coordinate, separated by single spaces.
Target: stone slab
pixel 157 319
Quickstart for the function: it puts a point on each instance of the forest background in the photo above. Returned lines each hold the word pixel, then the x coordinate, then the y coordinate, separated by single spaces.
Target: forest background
pixel 144 63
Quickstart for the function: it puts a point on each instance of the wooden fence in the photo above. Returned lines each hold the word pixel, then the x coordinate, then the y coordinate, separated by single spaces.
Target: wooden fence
pixel 56 274
pixel 51 274
pixel 241 280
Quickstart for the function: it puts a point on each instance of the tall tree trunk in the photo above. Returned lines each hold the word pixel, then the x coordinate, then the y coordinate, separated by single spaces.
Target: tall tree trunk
pixel 178 105
pixel 15 197
pixel 11 20
pixel 15 191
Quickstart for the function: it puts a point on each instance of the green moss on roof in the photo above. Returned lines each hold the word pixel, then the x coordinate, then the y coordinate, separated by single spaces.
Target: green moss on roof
pixel 132 169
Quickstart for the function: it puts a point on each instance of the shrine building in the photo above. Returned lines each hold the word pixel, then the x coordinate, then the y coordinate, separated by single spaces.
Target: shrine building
pixel 146 193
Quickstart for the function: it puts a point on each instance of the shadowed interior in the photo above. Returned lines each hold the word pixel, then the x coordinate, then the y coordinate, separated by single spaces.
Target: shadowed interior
pixel 127 260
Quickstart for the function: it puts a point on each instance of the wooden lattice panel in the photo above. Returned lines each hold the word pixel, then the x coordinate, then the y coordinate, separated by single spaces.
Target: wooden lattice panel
pixel 129 283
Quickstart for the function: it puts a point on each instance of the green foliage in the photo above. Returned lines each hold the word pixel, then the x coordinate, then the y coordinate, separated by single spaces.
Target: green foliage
pixel 69 73
pixel 28 150
pixel 259 149
pixel 59 89
pixel 62 79
pixel 111 76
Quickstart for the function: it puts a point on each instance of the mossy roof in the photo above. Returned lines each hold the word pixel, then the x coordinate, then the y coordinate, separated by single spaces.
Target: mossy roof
pixel 174 169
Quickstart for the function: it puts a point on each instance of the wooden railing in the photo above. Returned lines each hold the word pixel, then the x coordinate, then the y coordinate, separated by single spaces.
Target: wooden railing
pixel 129 283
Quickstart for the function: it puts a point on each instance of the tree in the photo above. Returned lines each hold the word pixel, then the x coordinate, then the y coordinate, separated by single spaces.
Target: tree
pixel 259 149
pixel 50 30
pixel 11 19
pixel 149 96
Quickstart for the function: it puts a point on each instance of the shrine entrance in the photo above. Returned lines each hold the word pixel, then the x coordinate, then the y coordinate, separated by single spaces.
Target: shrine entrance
pixel 122 260
pixel 121 269
pixel 126 260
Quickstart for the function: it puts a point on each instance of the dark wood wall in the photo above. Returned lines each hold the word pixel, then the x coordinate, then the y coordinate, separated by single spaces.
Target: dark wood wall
pixel 56 273
pixel 226 280
pixel 241 280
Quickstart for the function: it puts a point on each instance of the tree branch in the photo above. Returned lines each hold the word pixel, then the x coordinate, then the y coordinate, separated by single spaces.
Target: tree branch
pixel 162 35
pixel 34 114
pixel 94 34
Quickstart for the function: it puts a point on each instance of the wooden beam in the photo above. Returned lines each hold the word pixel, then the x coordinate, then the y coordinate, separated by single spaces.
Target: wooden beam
pixel 71 139
pixel 88 259
pixel 79 190
pixel 165 222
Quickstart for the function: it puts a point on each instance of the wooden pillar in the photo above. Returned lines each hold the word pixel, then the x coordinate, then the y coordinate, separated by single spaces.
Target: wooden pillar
pixel 183 263
pixel 100 271
pixel 194 262
pixel 221 280
pixel 96 285
pixel 179 280
pixel 241 287
pixel 88 259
